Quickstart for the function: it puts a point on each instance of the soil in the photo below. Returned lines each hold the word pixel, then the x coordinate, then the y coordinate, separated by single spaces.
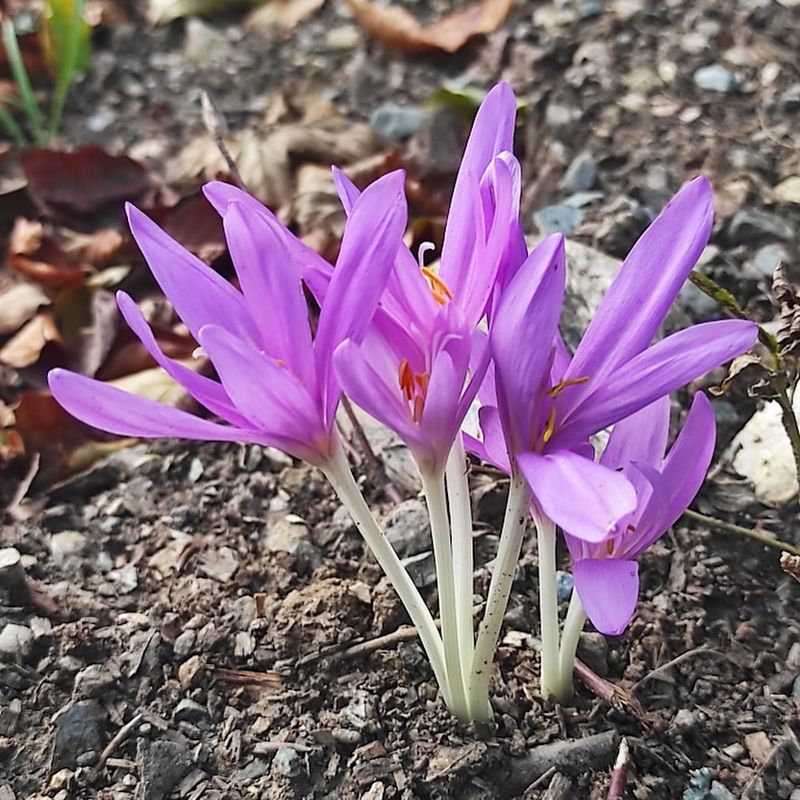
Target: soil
pixel 205 618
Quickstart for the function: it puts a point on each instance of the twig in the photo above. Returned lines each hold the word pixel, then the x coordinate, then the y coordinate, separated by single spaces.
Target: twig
pixel 118 739
pixel 246 677
pixel 619 775
pixel 697 651
pixel 404 634
pixel 753 782
pixel 214 123
pixel 19 495
pixel 568 756
pixel 789 420
pixel 761 538
pixel 273 747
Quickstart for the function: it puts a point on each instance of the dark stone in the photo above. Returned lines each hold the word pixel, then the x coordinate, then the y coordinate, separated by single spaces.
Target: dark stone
pixel 161 765
pixel 77 731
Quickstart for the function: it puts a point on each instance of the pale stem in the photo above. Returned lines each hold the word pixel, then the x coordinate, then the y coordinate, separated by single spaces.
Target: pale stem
pixel 573 625
pixel 338 472
pixel 434 489
pixel 499 591
pixel 463 560
pixel 548 605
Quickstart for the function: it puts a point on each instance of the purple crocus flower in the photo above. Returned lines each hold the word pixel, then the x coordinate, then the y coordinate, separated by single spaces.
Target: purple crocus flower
pixel 548 404
pixel 419 368
pixel 277 387
pixel 607 574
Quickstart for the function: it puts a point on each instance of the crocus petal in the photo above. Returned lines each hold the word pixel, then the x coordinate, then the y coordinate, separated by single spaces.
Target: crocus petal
pixel 348 192
pixel 641 437
pixel 270 396
pixel 608 589
pixel 369 245
pixel 646 286
pixel 521 338
pixel 494 443
pixel 666 366
pixel 199 295
pixel 368 389
pixel 688 460
pixel 492 133
pixel 110 409
pixel 580 496
pixel 207 392
pixel 316 271
pixel 272 288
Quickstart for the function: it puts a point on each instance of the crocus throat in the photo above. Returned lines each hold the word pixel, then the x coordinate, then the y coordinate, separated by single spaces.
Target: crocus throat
pixel 552 393
pixel 414 387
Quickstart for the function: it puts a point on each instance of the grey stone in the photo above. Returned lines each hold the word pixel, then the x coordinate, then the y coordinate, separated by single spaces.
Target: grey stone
pixel 244 611
pixel 422 569
pixel 564 585
pixel 683 722
pixel 16 642
pixel 290 535
pixel 436 148
pixel 768 257
pixel 697 304
pixel 751 223
pixel 189 711
pixel 720 792
pixel 92 681
pixel 398 122
pixel 184 644
pixel 796 687
pixel 66 544
pixel 205 45
pixel 593 651
pixel 715 78
pixel 287 763
pixel 408 528
pixel 162 764
pixel 560 218
pixel 76 731
pixel 580 175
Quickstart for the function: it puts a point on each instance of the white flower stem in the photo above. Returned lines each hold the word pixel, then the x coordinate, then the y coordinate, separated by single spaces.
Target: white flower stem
pixel 435 496
pixel 338 472
pixel 548 606
pixel 463 559
pixel 497 601
pixel 573 625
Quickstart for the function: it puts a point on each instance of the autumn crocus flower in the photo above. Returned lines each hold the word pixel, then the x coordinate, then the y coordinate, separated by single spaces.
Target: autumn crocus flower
pixel 419 367
pixel 606 573
pixel 549 403
pixel 276 384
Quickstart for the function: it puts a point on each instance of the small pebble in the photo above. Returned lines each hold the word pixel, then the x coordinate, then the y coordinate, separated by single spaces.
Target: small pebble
pixel 715 78
pixel 184 644
pixel 564 585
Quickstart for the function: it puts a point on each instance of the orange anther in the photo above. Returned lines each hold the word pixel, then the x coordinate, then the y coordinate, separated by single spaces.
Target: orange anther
pixel 439 289
pixel 406 379
pixel 561 385
pixel 550 427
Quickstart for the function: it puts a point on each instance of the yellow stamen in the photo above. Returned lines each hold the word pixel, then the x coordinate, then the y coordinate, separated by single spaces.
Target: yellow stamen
pixel 561 385
pixel 610 547
pixel 439 289
pixel 550 427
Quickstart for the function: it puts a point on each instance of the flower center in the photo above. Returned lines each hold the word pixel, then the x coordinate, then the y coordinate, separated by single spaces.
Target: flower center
pixel 439 289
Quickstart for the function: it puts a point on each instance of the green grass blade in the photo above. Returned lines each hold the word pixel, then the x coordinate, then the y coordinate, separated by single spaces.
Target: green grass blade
pixel 14 131
pixel 71 56
pixel 27 98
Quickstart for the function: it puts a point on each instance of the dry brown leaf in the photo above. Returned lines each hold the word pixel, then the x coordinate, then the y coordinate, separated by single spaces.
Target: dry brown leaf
pixel 6 416
pixel 25 348
pixel 395 27
pixel 282 14
pixel 18 303
pixel 98 248
pixel 35 253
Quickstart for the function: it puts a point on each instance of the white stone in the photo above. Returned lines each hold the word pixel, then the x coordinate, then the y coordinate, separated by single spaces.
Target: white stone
pixel 761 453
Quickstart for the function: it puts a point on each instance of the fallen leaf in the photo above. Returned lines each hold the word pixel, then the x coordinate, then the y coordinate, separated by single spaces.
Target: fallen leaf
pixel 788 190
pixel 195 224
pixel 12 446
pixel 88 320
pixel 18 303
pixel 395 27
pixel 161 11
pixel 25 348
pixel 282 14
pixel 84 181
pixel 98 248
pixel 154 384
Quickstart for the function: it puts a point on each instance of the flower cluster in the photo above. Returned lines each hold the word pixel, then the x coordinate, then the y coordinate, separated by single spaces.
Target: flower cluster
pixel 417 347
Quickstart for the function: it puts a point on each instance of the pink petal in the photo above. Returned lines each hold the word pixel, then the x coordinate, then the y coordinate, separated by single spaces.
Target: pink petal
pixel 608 589
pixel 582 497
